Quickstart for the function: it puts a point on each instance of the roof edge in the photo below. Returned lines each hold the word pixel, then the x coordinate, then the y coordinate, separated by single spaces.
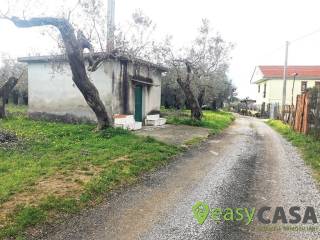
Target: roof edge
pixel 62 58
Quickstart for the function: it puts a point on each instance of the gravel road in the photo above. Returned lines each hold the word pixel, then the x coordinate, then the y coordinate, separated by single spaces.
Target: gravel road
pixel 249 165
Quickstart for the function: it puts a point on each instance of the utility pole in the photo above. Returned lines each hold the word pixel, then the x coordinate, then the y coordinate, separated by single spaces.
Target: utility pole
pixel 284 89
pixel 110 25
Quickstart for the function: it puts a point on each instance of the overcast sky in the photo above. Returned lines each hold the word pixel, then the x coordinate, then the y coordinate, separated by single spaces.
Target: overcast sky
pixel 258 28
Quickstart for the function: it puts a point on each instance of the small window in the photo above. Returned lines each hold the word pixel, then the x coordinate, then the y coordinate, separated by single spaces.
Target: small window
pixel 259 88
pixel 303 86
pixel 318 85
pixel 264 90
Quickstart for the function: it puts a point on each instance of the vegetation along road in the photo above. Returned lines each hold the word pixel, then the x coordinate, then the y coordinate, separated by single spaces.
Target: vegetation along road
pixel 247 166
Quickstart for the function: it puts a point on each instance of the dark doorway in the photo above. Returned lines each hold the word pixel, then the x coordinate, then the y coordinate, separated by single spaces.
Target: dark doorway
pixel 138 103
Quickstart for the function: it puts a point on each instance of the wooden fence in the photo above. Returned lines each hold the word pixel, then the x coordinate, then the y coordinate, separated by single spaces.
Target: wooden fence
pixel 300 123
pixel 314 112
pixel 306 115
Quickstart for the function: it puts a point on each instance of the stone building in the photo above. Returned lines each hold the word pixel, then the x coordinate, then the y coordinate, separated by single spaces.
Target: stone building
pixel 126 87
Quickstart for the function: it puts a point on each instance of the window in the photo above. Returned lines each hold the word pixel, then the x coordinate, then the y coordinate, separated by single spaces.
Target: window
pixel 318 85
pixel 264 90
pixel 259 88
pixel 303 86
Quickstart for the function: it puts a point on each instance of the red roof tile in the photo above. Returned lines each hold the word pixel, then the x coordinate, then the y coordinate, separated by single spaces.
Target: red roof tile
pixel 303 71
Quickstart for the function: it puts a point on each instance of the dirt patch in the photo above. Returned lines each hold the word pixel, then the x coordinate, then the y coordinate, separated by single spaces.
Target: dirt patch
pixel 59 185
pixel 174 134
pixel 125 158
pixel 7 138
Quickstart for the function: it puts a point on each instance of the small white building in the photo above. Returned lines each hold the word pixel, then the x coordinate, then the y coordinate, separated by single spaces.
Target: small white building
pixel 125 87
pixel 269 82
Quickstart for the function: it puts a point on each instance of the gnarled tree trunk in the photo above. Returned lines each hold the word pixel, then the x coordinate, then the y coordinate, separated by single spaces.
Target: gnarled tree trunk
pixel 196 112
pixel 4 94
pixel 74 49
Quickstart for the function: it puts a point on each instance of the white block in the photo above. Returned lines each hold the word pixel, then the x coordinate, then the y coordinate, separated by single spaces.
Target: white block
pixel 157 122
pixel 162 121
pixel 128 119
pixel 138 126
pixel 153 117
pixel 121 126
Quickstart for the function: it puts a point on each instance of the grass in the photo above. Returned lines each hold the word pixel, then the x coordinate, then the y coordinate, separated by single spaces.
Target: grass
pixel 194 141
pixel 87 164
pixel 309 146
pixel 216 121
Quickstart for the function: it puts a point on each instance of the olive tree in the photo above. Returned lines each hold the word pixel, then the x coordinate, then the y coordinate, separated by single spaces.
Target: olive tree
pixel 74 44
pixel 195 66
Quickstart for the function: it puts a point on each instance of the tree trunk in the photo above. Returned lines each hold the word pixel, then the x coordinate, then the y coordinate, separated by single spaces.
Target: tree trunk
pixel 196 112
pixel 2 107
pixel 74 50
pixel 4 94
pixel 201 97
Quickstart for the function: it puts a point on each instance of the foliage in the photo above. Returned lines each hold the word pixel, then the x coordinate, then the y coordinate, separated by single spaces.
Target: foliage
pixel 11 68
pixel 201 68
pixel 309 146
pixel 216 121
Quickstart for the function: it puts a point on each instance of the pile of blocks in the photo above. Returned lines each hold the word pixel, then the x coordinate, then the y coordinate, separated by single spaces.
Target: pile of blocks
pixel 126 122
pixel 155 120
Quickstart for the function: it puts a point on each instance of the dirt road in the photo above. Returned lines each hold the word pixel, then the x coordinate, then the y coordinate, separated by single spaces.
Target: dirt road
pixel 249 165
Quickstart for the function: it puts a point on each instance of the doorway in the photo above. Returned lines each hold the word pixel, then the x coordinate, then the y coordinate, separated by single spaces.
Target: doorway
pixel 138 103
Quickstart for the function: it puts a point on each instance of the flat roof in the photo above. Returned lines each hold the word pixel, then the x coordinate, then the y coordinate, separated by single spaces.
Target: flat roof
pixel 62 58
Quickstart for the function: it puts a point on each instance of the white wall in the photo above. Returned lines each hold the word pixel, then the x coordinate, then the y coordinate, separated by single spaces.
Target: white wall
pixel 274 90
pixel 52 90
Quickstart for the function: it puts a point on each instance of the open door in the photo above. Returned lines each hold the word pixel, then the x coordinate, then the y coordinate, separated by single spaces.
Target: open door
pixel 138 103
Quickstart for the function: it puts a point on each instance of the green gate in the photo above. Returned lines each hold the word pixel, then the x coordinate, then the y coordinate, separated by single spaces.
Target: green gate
pixel 138 104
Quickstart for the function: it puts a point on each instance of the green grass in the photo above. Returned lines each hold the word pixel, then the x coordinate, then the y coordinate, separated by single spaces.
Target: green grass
pixel 16 109
pixel 216 121
pixel 194 141
pixel 309 146
pixel 45 149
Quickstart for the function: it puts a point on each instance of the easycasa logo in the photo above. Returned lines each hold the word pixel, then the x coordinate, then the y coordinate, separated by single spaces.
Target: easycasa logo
pixel 265 215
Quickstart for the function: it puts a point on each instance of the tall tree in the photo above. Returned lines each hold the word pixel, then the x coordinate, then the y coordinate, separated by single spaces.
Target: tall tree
pixel 74 43
pixel 194 67
pixel 4 94
pixel 74 49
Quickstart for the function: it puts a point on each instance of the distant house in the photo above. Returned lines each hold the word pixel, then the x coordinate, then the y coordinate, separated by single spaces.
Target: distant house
pixel 126 87
pixel 269 82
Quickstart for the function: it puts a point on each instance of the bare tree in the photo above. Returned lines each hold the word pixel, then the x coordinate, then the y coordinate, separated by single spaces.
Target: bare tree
pixel 195 66
pixel 136 40
pixel 4 94
pixel 74 48
pixel 133 43
pixel 11 68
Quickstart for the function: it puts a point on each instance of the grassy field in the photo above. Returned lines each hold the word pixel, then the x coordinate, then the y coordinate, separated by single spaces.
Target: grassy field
pixel 55 168
pixel 309 147
pixel 216 121
pixel 50 169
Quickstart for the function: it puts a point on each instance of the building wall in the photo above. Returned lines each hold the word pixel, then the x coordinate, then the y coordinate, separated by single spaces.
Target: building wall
pixel 151 94
pixel 274 90
pixel 52 91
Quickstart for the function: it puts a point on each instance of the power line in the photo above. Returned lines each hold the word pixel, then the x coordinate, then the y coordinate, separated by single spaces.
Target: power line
pixel 305 36
pixel 291 42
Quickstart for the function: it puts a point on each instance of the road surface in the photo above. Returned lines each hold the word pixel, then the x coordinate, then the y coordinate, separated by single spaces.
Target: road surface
pixel 249 165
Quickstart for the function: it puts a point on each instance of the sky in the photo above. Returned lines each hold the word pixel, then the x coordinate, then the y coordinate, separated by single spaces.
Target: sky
pixel 257 28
